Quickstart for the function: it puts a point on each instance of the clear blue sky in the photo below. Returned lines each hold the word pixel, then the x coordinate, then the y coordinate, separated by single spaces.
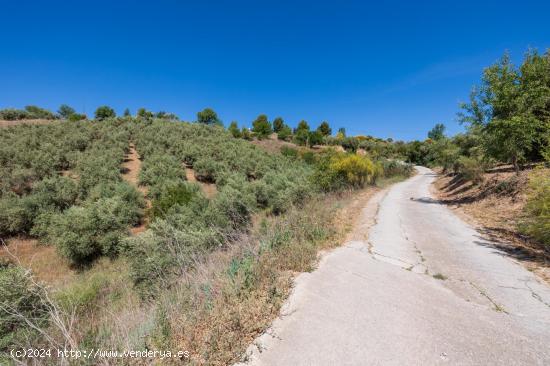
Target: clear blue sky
pixel 389 69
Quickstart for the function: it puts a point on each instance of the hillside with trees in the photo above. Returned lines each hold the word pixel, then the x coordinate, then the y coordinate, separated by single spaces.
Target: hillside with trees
pixel 198 259
pixel 208 270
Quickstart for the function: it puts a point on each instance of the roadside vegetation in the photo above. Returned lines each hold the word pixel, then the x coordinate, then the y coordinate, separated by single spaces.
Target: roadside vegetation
pixel 506 149
pixel 208 273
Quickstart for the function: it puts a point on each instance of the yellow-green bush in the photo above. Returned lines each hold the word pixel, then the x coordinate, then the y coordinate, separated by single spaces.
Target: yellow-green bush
pixel 340 170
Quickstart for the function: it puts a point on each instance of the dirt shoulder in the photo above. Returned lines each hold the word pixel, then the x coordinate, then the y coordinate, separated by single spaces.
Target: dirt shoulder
pixel 495 207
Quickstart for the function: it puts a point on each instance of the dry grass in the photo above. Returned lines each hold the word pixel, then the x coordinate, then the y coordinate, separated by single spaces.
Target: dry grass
pixel 235 294
pixel 272 145
pixel 47 265
pixel 496 207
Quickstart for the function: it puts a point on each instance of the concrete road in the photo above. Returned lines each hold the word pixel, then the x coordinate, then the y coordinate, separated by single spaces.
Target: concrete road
pixel 423 289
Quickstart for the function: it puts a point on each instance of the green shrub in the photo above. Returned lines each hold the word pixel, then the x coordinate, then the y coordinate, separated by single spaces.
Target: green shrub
pixel 395 168
pixel 180 194
pixel 11 114
pixel 289 152
pixel 350 144
pixel 35 112
pixel 158 168
pixel 16 215
pixel 285 133
pixel 76 117
pixel 537 209
pixel 471 168
pixel 30 112
pixel 56 192
pixel 19 301
pixel 308 157
pixel 208 170
pixel 236 206
pixel 164 251
pixel 82 233
pixel 246 134
pixel 234 130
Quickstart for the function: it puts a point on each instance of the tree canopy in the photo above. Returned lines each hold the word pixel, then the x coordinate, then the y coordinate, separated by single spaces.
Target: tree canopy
pixel 511 109
pixel 261 126
pixel 104 112
pixel 65 111
pixel 278 124
pixel 438 132
pixel 208 117
pixel 324 129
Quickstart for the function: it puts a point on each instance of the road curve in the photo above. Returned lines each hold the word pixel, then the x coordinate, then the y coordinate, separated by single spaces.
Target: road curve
pixel 375 300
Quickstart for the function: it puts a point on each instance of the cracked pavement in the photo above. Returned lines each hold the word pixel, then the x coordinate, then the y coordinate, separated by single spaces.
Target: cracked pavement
pixel 375 300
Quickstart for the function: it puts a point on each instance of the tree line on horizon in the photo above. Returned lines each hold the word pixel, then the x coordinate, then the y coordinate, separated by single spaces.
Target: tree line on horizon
pixel 261 127
pixel 506 119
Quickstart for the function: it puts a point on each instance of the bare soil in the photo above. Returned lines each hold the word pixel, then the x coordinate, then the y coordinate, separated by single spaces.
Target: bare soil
pixel 273 145
pixel 496 207
pixel 209 189
pixel 130 173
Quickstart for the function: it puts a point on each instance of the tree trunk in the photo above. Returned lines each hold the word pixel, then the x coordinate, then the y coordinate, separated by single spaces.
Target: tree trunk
pixel 516 164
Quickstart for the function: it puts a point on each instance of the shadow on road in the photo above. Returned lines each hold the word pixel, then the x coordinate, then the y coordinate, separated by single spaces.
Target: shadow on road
pixel 505 242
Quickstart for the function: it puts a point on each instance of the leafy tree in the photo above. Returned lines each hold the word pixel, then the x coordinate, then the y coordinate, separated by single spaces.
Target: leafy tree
pixel 278 124
pixel 438 132
pixel 245 133
pixel 342 131
pixel 127 113
pixel 234 130
pixel 144 113
pixel 104 112
pixel 511 109
pixel 301 137
pixel 316 138
pixel 65 111
pixel 285 133
pixel 324 129
pixel 208 117
pixel 302 126
pixel 261 127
